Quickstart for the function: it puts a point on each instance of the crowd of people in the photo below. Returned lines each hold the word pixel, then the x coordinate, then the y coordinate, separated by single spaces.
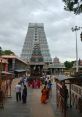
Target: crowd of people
pixel 21 88
pixel 34 83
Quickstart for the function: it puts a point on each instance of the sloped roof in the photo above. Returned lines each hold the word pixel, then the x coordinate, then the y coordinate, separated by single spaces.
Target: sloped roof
pixel 13 56
pixel 3 60
pixel 4 72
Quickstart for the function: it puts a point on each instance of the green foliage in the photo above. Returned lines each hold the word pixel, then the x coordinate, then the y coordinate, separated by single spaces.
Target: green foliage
pixel 69 6
pixel 7 52
pixel 0 51
pixel 68 64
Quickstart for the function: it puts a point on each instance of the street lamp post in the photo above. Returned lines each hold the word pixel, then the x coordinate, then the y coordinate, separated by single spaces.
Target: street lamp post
pixel 76 28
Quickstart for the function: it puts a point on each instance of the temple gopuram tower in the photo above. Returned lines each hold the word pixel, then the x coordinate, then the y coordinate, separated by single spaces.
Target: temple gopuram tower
pixel 35 33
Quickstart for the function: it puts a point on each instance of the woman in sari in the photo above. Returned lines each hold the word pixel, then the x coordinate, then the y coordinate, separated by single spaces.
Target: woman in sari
pixel 44 95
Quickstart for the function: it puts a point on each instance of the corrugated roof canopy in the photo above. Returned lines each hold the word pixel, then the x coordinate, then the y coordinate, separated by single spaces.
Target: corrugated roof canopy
pixel 20 70
pixel 71 80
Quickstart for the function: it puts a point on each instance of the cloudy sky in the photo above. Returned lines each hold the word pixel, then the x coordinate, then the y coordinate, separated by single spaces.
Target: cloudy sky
pixel 16 14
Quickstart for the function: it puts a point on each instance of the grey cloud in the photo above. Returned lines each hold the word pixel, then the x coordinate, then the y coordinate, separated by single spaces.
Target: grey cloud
pixel 16 14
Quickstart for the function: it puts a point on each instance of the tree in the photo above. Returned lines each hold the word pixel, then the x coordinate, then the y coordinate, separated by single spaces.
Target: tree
pixel 68 64
pixel 0 50
pixel 8 52
pixel 73 5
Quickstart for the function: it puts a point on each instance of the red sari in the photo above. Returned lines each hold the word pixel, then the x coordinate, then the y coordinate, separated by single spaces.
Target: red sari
pixel 44 96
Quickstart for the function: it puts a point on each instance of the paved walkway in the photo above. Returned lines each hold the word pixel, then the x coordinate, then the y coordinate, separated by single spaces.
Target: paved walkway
pixel 33 107
pixel 38 109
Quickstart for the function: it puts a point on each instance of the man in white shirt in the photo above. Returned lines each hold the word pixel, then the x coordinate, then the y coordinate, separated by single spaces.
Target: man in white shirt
pixel 18 92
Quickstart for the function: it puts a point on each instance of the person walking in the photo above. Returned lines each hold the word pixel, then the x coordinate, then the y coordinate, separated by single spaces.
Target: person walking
pixel 24 94
pixel 18 92
pixel 49 85
pixel 44 95
pixel 66 96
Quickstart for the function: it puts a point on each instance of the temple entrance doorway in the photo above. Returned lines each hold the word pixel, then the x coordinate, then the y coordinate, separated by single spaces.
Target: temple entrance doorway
pixel 36 71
